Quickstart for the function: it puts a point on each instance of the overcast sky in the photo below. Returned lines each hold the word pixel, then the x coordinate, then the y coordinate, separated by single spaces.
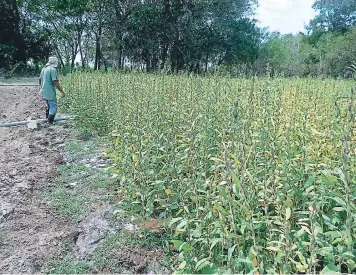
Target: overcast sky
pixel 285 16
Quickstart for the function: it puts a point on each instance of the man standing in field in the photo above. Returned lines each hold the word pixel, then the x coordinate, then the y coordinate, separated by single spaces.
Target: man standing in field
pixel 49 82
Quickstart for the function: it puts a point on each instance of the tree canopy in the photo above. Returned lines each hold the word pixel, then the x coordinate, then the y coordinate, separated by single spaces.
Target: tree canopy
pixel 174 35
pixel 334 15
pixel 158 34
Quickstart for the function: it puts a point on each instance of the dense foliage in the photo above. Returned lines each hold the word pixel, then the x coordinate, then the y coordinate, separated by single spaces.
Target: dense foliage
pixel 319 54
pixel 174 35
pixel 21 39
pixel 326 50
pixel 334 15
pixel 249 175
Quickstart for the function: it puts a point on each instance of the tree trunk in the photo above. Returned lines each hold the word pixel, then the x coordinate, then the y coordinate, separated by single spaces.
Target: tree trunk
pixel 206 62
pixel 59 55
pixel 104 62
pixel 123 60
pixel 119 62
pixel 163 57
pixel 97 64
pixel 20 53
pixel 74 50
pixel 197 68
pixel 79 36
pixel 81 55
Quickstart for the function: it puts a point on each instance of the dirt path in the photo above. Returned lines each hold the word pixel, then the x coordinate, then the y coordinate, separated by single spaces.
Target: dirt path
pixel 29 231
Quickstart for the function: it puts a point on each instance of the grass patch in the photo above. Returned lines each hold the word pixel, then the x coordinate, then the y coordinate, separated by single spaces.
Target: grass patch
pixel 67 266
pixel 100 180
pixel 151 240
pixel 75 172
pixel 71 202
pixel 105 258
pixel 67 203
pixel 89 178
pixel 102 255
pixel 71 168
pixel 80 188
pixel 79 150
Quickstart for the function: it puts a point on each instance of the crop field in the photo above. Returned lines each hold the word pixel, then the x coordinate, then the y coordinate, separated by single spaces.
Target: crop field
pixel 248 175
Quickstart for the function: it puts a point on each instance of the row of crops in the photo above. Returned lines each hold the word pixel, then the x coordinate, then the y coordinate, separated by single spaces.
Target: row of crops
pixel 249 175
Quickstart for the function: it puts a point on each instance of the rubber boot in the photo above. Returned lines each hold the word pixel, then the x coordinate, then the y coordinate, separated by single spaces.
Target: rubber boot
pixel 47 113
pixel 51 118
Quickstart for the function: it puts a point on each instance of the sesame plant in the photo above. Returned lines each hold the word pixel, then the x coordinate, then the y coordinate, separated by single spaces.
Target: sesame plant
pixel 248 175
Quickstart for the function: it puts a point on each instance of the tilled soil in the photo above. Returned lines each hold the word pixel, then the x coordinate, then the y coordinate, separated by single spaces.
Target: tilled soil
pixel 30 232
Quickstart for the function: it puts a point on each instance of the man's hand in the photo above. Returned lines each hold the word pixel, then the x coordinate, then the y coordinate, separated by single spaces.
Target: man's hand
pixel 56 83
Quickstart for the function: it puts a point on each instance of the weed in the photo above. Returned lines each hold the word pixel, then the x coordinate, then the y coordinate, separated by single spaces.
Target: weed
pixel 67 266
pixel 71 168
pixel 67 203
pixel 100 180
pixel 102 255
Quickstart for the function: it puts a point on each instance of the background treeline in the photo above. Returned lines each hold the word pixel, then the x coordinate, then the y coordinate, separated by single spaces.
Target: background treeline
pixel 173 35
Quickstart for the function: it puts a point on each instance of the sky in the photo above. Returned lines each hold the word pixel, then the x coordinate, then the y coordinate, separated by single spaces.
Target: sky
pixel 285 16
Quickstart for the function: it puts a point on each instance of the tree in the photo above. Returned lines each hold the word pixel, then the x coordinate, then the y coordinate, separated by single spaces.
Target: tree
pixel 338 51
pixel 11 39
pixel 334 15
pixel 175 35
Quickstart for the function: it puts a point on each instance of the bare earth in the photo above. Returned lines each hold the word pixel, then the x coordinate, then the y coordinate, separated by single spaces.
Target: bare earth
pixel 29 232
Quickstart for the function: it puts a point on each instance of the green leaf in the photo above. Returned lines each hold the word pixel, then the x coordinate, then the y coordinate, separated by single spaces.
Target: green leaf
pixel 324 251
pixel 174 220
pixel 333 234
pixel 328 179
pixel 309 189
pixel 182 265
pixel 162 215
pixel 288 213
pixel 137 208
pixel 351 264
pixel 339 201
pixel 215 241
pixel 330 269
pixel 209 269
pixel 219 208
pixel 339 209
pixel 185 247
pixel 182 225
pixel 177 244
pixel 253 270
pixel 237 183
pixel 230 252
pixel 276 249
pixel 349 254
pixel 245 261
pixel 311 180
pixel 202 263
